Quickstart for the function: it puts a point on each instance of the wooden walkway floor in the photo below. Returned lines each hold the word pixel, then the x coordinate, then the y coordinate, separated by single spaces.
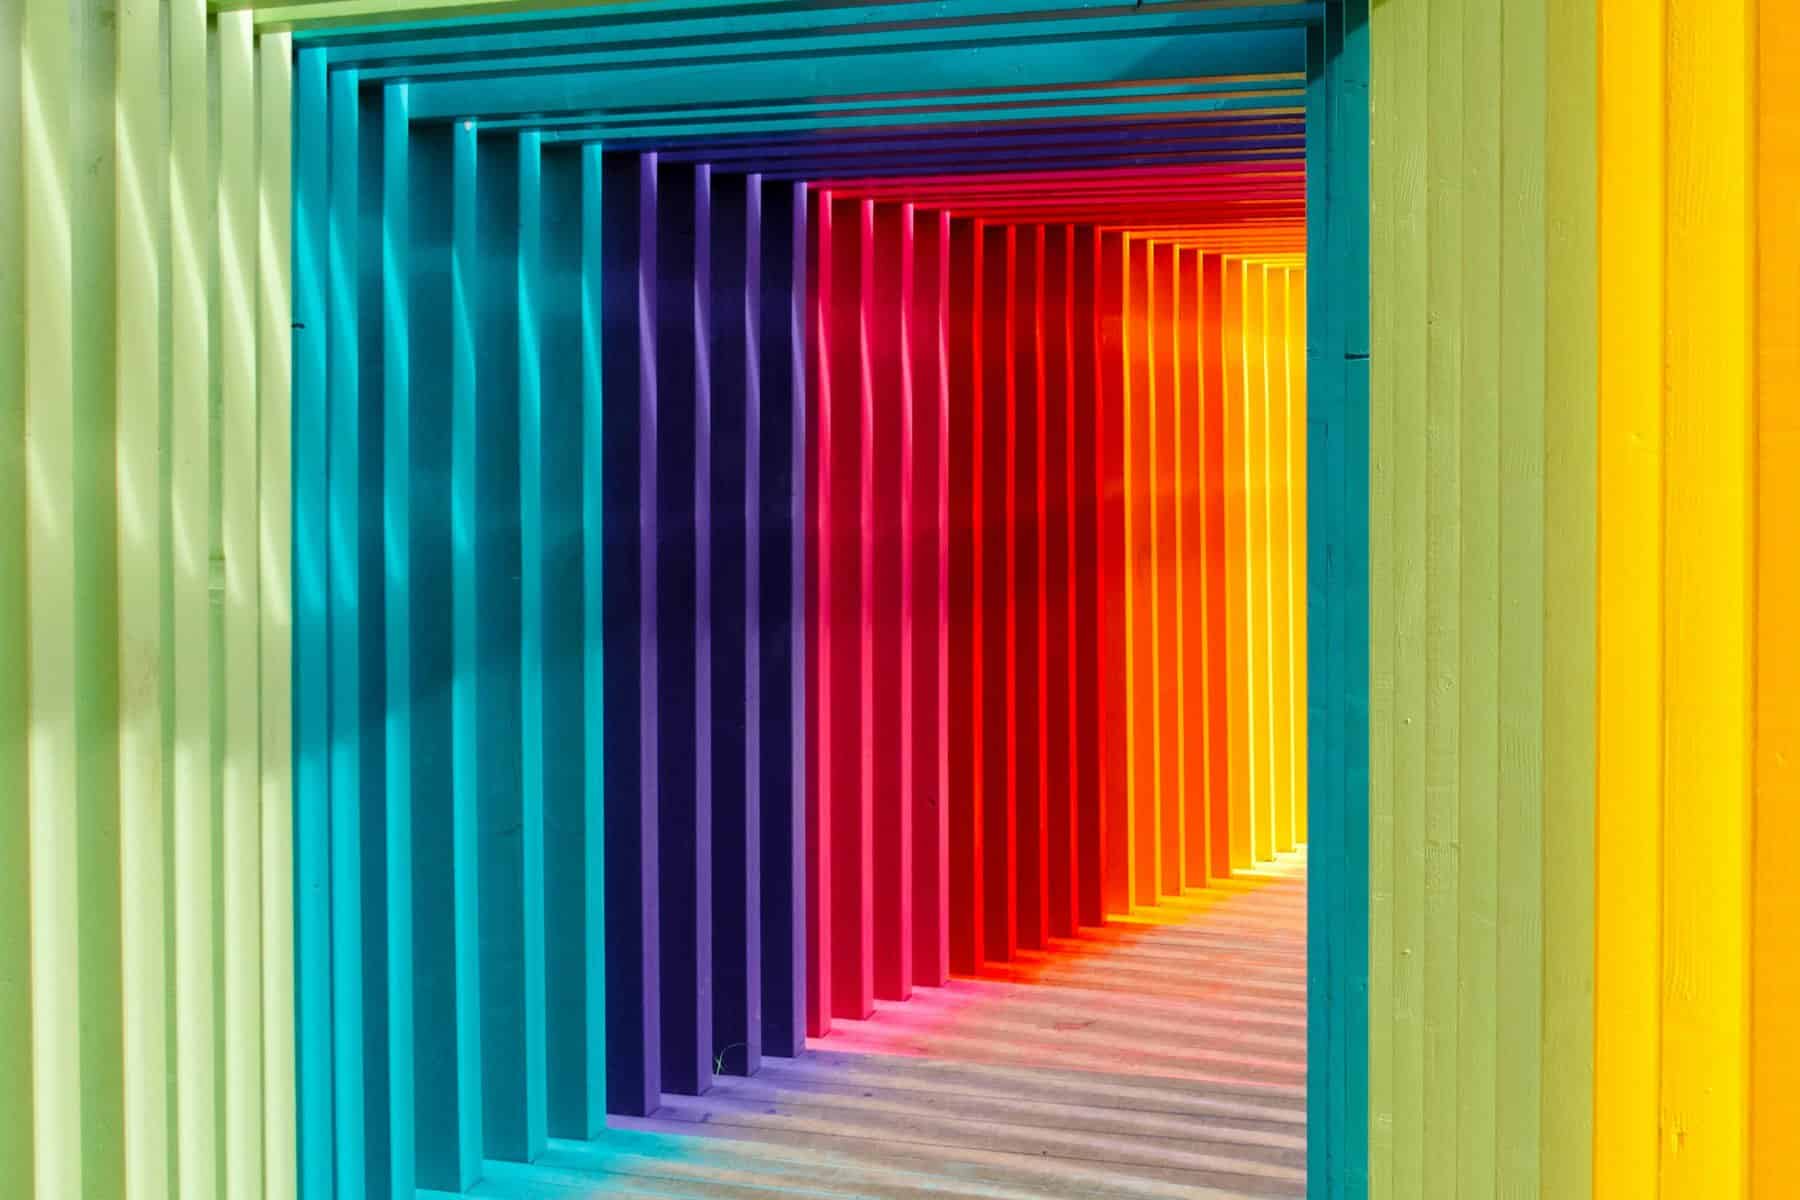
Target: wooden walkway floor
pixel 1148 1061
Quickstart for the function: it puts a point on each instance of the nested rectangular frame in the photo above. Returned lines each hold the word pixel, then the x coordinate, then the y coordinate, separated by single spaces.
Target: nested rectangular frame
pixel 328 77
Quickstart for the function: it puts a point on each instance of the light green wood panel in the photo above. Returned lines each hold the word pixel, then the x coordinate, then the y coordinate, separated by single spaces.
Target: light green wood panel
pixel 1478 1044
pixel 275 623
pixel 68 110
pixel 1407 355
pixel 142 395
pixel 1571 318
pixel 1524 120
pixel 124 966
pixel 239 832
pixel 1444 634
pixel 15 874
pixel 193 660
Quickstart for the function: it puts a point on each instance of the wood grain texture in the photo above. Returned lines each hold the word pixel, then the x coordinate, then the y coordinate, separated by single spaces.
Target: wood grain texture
pixel 1708 592
pixel 1483 553
pixel 1629 738
pixel 1775 914
pixel 135 957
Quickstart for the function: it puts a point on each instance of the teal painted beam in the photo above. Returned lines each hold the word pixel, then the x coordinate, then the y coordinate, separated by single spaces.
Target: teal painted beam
pixel 653 45
pixel 312 824
pixel 727 19
pixel 847 72
pixel 395 251
pixel 593 613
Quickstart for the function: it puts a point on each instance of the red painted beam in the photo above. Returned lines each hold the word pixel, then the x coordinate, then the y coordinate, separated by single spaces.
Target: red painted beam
pixel 998 264
pixel 1062 734
pixel 928 334
pixel 968 824
pixel 1140 577
pixel 1025 531
pixel 1168 601
pixel 1085 624
pixel 1191 535
pixel 887 391
pixel 819 717
pixel 1109 372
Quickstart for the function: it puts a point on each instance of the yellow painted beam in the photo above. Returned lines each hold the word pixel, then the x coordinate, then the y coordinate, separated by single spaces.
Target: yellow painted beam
pixel 1708 581
pixel 1297 449
pixel 1281 554
pixel 1629 806
pixel 1256 559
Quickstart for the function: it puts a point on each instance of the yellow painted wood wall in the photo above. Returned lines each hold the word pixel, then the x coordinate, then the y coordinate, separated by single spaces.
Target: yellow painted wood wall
pixel 146 1048
pixel 1696 1063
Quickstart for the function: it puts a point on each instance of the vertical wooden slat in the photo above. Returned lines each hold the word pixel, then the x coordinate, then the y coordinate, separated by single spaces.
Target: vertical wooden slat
pixel 1025 525
pixel 1384 830
pixel 1064 738
pixel 1570 614
pixel 509 828
pixel 1339 904
pixel 146 764
pixel 16 1025
pixel 276 618
pixel 1191 539
pixel 1299 299
pixel 1166 600
pixel 399 610
pixel 995 467
pixel 1405 562
pixel 843 636
pixel 1258 688
pixel 593 466
pixel 1775 1062
pixel 535 745
pixel 1217 567
pixel 1522 583
pixel 684 673
pixel 71 795
pixel 929 348
pixel 1630 688
pixel 440 800
pixel 1709 592
pixel 783 637
pixel 736 623
pixel 1281 697
pixel 241 259
pixel 1474 372
pixel 634 1016
pixel 967 821
pixel 573 806
pixel 312 852
pixel 1450 650
pixel 821 718
pixel 1118 824
pixel 888 397
pixel 1235 439
pixel 1140 578
pixel 1086 619
pixel 344 594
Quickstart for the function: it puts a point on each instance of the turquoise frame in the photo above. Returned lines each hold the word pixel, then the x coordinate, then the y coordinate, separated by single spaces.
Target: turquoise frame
pixel 427 74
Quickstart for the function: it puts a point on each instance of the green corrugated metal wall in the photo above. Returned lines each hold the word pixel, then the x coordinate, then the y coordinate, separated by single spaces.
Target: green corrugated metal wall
pixel 144 589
